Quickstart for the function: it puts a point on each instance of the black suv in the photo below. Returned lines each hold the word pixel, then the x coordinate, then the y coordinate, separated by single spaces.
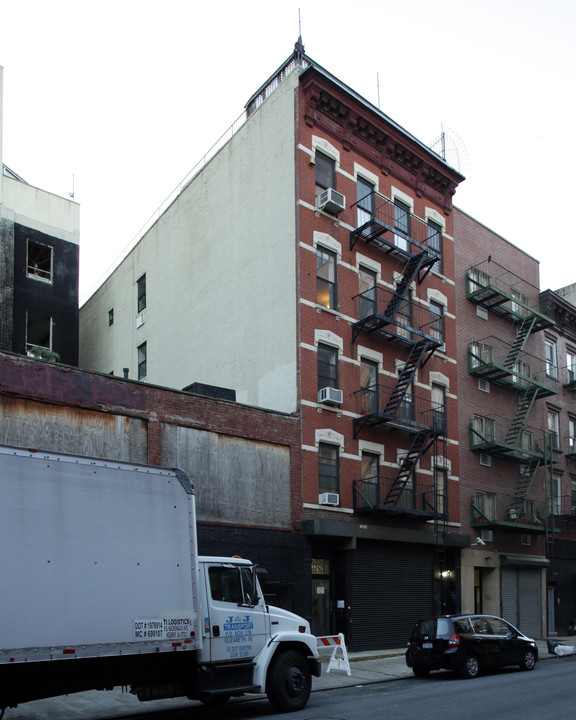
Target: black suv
pixel 468 644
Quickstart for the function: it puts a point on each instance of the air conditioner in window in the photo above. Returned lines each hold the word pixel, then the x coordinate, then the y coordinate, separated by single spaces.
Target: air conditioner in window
pixel 329 499
pixel 330 396
pixel 331 201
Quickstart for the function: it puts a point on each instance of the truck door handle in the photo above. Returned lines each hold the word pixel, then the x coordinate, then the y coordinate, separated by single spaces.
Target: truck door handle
pixel 216 630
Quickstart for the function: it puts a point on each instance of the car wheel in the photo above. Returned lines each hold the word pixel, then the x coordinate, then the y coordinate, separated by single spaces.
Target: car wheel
pixel 470 667
pixel 421 671
pixel 528 661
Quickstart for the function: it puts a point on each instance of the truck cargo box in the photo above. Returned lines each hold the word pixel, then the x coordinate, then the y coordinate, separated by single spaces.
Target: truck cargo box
pixel 97 558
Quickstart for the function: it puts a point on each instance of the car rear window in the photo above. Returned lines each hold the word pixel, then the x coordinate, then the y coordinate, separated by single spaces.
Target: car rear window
pixel 444 628
pixel 426 627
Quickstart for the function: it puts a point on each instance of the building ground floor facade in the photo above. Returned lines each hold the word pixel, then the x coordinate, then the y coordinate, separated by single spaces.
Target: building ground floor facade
pixel 512 586
pixel 373 582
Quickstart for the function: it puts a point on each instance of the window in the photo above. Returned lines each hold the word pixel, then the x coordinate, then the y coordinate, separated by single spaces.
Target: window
pixel 437 321
pixel 441 490
pixel 370 478
pixel 481 354
pixel 141 283
pixel 485 502
pixel 500 627
pixel 439 407
pixel 483 429
pixel 233 584
pixel 325 172
pixel 572 435
pixel 142 353
pixel 401 224
pixel 551 364
pixel 557 494
pixel 406 407
pixel 518 303
pixel 111 317
pixel 554 429
pixel 367 289
pixel 571 366
pixel 477 279
pixel 38 333
pixel 573 495
pixel 522 373
pixel 365 201
pixel 404 317
pixel 527 440
pixel 369 387
pixel 328 476
pixel 39 261
pixel 435 243
pixel 327 366
pixel 325 278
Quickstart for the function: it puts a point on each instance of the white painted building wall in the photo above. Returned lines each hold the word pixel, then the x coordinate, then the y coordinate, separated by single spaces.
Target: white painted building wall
pixel 220 268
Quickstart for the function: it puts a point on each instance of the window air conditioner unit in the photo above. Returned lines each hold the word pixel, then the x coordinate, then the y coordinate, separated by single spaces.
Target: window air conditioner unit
pixel 330 396
pixel 331 201
pixel 329 499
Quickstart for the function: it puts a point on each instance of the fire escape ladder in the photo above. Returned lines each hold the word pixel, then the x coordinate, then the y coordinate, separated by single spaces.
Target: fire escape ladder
pixel 407 468
pixel 524 406
pixel 411 271
pixel 417 352
pixel 526 327
pixel 527 475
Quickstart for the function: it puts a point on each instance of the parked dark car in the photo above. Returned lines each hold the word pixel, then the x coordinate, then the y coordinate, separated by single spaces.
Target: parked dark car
pixel 468 644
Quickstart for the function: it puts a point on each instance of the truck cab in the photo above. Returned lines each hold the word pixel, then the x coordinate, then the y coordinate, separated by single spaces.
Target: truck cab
pixel 249 645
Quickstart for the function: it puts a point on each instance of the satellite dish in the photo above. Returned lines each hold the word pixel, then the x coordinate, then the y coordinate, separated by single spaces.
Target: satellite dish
pixel 452 149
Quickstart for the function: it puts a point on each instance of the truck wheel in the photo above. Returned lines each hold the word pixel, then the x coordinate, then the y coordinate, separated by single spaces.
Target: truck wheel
pixel 289 682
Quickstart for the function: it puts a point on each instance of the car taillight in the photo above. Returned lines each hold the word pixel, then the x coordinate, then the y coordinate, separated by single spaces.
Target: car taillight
pixel 454 640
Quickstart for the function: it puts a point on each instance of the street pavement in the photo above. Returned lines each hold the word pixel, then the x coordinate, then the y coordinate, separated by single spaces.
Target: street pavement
pixel 365 667
pixel 385 665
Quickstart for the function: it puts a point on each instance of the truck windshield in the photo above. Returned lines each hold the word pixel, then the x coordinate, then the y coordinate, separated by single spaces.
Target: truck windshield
pixel 233 584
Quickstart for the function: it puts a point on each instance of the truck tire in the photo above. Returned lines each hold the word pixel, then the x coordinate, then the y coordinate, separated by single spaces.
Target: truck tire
pixel 289 681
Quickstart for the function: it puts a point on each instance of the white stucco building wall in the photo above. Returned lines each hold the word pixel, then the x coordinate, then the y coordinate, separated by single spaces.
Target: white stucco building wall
pixel 220 270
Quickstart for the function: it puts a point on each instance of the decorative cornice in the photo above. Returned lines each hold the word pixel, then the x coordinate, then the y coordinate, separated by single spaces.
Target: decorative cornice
pixel 371 134
pixel 562 312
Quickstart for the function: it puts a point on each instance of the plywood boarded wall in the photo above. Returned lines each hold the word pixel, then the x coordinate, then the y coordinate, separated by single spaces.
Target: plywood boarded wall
pixel 237 480
pixel 71 430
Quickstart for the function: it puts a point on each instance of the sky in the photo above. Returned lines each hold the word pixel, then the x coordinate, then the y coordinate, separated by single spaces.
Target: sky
pixel 117 101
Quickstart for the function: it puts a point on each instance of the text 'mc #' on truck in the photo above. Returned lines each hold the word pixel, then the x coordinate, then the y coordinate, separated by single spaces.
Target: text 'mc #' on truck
pixel 101 585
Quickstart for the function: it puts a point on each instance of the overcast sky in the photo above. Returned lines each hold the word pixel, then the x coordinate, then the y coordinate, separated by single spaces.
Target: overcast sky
pixel 126 96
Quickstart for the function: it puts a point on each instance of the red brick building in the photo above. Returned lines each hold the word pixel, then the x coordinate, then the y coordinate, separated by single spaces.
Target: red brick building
pixel 506 385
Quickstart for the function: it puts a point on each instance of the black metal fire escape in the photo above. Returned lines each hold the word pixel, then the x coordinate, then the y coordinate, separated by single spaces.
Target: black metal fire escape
pixel 388 319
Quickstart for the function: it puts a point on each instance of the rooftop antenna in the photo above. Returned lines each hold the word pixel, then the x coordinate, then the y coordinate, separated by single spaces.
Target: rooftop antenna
pixel 451 148
pixel 378 87
pixel 299 45
pixel 72 193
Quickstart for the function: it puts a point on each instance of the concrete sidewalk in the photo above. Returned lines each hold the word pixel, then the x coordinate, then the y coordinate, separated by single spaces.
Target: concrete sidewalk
pixel 374 666
pixel 385 665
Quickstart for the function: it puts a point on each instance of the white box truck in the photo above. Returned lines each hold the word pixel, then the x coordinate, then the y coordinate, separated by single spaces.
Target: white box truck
pixel 101 585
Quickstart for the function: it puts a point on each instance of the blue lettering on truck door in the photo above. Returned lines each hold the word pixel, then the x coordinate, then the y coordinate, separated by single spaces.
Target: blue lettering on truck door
pixel 238 636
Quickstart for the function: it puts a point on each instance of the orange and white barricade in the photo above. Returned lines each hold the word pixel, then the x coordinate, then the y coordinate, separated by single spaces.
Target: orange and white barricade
pixel 335 643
